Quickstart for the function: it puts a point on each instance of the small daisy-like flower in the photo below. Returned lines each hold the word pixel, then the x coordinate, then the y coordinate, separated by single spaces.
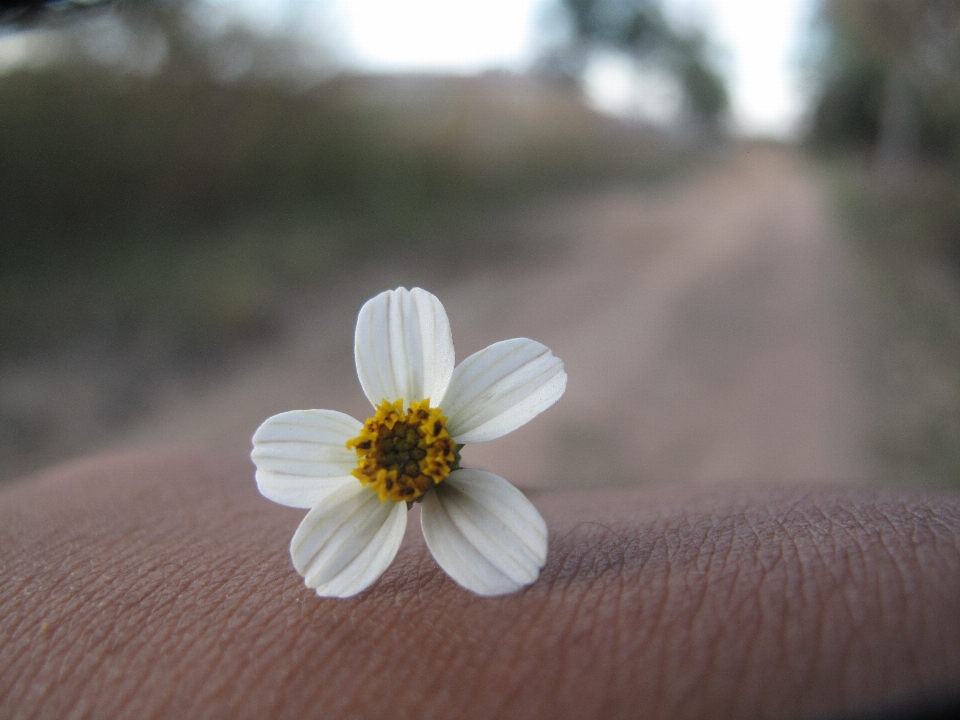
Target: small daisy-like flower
pixel 359 479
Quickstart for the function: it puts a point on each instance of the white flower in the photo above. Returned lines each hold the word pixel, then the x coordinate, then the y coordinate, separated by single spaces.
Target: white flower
pixel 359 479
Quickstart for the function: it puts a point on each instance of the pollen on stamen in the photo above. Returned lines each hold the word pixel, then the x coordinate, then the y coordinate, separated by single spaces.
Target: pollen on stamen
pixel 402 454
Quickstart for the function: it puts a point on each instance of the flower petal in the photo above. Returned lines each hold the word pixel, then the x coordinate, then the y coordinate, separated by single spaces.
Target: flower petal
pixel 500 388
pixel 344 544
pixel 302 455
pixel 484 533
pixel 403 347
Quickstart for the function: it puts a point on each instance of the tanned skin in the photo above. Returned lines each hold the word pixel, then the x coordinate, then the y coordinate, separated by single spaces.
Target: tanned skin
pixel 159 585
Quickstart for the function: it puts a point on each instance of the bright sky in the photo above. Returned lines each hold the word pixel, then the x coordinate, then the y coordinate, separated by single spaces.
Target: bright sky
pixel 759 40
pixel 460 35
pixel 762 39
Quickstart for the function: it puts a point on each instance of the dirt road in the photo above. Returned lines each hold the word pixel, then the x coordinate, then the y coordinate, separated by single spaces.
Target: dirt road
pixel 705 327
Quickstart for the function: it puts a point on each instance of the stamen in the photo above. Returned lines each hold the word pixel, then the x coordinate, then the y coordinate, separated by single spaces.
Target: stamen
pixel 403 454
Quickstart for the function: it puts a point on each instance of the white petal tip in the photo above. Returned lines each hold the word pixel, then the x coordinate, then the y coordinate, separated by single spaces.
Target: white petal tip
pixel 502 387
pixel 346 543
pixel 484 533
pixel 301 455
pixel 403 346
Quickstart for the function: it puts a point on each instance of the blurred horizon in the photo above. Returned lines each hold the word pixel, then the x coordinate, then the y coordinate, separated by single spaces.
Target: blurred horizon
pixel 756 46
pixel 194 202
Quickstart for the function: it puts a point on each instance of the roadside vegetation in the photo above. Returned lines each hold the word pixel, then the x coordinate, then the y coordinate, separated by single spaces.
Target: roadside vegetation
pixel 912 322
pixel 888 122
pixel 191 209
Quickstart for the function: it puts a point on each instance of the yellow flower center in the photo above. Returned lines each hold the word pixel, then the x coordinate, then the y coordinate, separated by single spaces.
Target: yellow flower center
pixel 402 454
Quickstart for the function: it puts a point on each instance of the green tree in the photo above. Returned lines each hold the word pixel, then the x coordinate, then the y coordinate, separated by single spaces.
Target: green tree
pixel 639 29
pixel 891 79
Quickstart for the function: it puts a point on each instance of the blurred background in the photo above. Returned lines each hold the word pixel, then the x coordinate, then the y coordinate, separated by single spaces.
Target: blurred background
pixel 736 221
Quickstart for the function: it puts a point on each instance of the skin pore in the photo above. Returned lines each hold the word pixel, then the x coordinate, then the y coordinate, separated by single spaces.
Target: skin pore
pixel 159 584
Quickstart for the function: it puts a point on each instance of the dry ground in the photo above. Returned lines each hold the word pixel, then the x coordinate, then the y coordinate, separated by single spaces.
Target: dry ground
pixel 707 328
